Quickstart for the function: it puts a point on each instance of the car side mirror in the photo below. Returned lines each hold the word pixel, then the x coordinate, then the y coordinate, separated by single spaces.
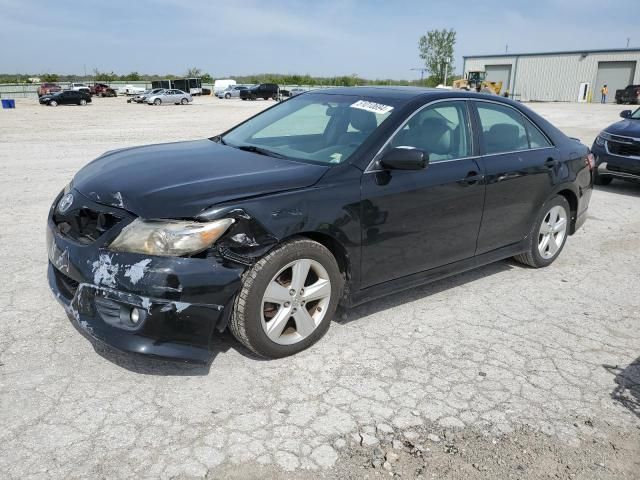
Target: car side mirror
pixel 625 113
pixel 405 158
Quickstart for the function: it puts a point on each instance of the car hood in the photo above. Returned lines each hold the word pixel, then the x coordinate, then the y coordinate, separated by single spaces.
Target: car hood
pixel 179 180
pixel 626 127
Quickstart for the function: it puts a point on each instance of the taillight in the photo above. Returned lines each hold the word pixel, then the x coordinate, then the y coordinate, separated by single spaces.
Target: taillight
pixel 590 161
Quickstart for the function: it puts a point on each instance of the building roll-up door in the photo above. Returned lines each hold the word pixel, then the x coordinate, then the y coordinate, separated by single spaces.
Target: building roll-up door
pixel 616 75
pixel 499 73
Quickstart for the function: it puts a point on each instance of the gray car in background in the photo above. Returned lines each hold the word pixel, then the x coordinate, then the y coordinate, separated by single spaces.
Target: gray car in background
pixel 232 91
pixel 141 97
pixel 168 97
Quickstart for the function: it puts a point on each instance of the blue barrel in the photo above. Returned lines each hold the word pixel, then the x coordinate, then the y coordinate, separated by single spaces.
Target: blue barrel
pixel 8 103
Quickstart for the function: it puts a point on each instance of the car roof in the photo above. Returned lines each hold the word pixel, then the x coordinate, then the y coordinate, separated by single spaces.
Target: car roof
pixel 403 93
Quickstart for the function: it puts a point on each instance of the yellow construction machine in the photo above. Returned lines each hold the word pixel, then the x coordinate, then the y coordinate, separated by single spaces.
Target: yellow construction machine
pixel 476 81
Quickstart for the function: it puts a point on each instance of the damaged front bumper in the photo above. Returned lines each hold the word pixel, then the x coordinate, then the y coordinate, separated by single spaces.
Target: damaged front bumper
pixel 178 302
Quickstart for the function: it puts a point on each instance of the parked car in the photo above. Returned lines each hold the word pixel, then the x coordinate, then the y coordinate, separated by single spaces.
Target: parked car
pixel 102 90
pixel 267 227
pixel 130 90
pixel 67 97
pixel 232 91
pixel 617 150
pixel 48 88
pixel 630 94
pixel 264 91
pixel 167 97
pixel 222 84
pixel 80 87
pixel 140 98
pixel 296 91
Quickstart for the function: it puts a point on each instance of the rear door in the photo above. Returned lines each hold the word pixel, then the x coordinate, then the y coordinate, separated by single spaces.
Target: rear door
pixel 413 221
pixel 518 162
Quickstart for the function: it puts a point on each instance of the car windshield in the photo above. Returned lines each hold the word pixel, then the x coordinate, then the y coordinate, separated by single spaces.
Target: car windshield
pixel 322 128
pixel 636 115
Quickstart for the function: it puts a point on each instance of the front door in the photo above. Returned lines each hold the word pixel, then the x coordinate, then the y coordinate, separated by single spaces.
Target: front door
pixel 413 221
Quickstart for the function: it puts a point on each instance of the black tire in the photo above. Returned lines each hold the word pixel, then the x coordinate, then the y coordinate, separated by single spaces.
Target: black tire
pixel 82 102
pixel 246 319
pixel 184 101
pixel 53 103
pixel 227 96
pixel 603 180
pixel 157 102
pixel 244 98
pixel 532 255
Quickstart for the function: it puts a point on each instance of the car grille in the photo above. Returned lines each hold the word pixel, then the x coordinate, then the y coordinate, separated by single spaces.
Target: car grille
pixel 85 225
pixel 66 285
pixel 624 149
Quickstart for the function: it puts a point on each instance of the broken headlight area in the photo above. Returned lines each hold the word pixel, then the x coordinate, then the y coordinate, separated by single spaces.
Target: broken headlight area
pixel 169 238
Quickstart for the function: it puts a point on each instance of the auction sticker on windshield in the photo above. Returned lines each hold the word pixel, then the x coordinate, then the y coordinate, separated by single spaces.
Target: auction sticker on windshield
pixel 378 108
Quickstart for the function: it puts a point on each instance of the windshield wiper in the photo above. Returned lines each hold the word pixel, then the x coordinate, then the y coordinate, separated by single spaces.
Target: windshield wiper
pixel 260 151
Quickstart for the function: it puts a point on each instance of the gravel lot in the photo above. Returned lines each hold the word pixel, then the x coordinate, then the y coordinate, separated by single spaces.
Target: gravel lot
pixel 503 372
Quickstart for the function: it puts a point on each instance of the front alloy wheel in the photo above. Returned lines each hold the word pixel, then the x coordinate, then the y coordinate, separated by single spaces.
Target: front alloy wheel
pixel 295 301
pixel 287 299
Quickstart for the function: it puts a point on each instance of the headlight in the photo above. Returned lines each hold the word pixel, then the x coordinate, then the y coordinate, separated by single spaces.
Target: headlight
pixel 169 238
pixel 602 138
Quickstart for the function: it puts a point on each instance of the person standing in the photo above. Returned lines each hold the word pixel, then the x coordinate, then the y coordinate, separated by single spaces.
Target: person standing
pixel 604 91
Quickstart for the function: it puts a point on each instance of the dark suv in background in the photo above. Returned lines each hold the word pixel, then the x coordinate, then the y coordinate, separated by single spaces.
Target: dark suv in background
pixel 630 94
pixel 264 91
pixel 617 150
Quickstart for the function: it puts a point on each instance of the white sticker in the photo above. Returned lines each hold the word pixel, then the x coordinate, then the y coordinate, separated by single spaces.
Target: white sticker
pixel 377 108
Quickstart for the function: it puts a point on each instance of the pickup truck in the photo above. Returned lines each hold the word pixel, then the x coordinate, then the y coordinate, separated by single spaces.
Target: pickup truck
pixel 264 90
pixel 102 90
pixel 631 94
pixel 47 88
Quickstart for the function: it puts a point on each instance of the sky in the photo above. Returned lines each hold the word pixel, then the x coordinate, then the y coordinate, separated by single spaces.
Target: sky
pixel 373 39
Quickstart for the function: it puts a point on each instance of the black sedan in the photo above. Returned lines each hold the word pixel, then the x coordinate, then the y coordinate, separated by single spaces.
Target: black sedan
pixel 68 97
pixel 617 150
pixel 332 197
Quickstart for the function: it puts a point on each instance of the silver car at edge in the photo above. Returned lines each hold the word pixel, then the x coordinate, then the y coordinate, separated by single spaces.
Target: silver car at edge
pixel 168 97
pixel 232 91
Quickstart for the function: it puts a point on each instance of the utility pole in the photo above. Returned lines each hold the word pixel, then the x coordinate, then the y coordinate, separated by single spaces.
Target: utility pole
pixel 421 70
pixel 506 48
pixel 628 40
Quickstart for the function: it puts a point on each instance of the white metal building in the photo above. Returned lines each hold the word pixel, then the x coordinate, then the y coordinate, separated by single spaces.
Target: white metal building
pixel 572 76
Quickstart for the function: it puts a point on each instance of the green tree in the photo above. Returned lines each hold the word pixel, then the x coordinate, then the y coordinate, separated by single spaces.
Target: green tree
pixel 99 76
pixel 132 77
pixel 193 73
pixel 206 78
pixel 50 77
pixel 436 49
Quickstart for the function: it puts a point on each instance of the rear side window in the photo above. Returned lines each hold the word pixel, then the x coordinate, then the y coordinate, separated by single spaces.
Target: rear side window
pixel 441 130
pixel 503 128
pixel 536 137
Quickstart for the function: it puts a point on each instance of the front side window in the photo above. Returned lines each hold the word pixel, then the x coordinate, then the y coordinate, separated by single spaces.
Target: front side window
pixel 322 128
pixel 441 130
pixel 503 128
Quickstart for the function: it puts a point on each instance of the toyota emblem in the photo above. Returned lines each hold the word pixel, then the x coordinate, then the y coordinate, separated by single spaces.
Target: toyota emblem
pixel 65 202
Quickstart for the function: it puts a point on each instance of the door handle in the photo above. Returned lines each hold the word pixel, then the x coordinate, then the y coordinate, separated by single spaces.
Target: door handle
pixel 472 178
pixel 550 162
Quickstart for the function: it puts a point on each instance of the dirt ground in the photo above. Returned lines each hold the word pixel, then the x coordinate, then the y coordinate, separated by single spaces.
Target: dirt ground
pixel 502 372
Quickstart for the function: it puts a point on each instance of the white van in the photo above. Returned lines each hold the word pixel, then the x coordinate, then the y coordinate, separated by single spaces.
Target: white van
pixel 220 85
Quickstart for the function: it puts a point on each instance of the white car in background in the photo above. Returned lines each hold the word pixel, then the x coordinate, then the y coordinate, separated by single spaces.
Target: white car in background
pixel 130 90
pixel 222 84
pixel 80 87
pixel 169 96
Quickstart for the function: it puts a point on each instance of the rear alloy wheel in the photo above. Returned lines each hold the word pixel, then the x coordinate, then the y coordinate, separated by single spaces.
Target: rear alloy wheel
pixel 549 234
pixel 53 103
pixel 83 102
pixel 157 101
pixel 287 299
pixel 184 101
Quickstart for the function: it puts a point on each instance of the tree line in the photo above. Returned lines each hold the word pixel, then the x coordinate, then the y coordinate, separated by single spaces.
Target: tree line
pixel 436 49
